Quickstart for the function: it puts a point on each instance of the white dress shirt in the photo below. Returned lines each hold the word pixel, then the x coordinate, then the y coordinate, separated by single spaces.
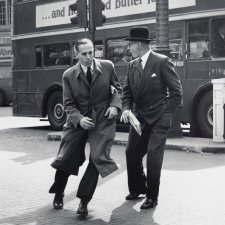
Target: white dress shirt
pixel 144 58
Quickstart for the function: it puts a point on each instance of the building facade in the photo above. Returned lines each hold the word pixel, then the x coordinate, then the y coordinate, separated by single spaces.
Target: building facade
pixel 5 52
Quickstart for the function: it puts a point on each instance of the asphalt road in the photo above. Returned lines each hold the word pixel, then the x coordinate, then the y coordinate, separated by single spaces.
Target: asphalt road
pixel 191 191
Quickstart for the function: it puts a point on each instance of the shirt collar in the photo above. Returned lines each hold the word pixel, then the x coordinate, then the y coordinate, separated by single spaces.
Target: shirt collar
pixel 84 68
pixel 144 58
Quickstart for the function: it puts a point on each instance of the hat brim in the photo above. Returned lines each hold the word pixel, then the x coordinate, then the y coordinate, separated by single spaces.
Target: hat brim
pixel 137 39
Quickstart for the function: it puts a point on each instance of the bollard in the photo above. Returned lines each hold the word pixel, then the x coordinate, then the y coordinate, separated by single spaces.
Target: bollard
pixel 218 110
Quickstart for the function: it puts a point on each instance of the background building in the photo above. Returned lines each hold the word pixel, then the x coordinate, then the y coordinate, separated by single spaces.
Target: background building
pixel 5 52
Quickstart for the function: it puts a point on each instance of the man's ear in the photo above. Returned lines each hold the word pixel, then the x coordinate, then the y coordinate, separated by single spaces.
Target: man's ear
pixel 75 52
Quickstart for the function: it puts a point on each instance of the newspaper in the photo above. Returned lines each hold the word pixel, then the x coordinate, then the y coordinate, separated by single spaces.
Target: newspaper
pixel 134 122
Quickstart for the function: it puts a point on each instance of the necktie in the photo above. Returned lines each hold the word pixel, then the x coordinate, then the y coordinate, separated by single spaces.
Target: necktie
pixel 89 76
pixel 140 66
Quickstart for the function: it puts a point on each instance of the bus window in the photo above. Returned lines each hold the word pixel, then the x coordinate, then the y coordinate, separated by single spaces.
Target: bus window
pixel 38 56
pixel 176 49
pixel 175 45
pixel 118 52
pixel 57 54
pixel 218 38
pixel 198 39
pixel 99 49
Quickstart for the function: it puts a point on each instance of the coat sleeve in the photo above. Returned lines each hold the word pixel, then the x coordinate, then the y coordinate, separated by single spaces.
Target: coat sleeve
pixel 70 107
pixel 116 96
pixel 173 83
pixel 127 97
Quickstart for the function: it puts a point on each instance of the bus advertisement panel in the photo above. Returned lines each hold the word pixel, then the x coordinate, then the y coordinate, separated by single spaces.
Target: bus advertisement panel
pixel 43 40
pixel 5 69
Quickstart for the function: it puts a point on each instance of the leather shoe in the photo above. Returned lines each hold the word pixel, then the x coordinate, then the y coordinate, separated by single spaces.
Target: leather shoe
pixel 82 209
pixel 149 203
pixel 132 196
pixel 58 201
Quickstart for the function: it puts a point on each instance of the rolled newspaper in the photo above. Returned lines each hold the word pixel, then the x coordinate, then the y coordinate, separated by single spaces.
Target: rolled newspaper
pixel 134 122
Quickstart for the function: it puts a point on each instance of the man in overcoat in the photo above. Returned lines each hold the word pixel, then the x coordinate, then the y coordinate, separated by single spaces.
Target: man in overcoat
pixel 91 102
pixel 153 91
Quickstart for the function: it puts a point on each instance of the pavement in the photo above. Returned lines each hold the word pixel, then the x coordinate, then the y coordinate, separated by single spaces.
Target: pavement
pixel 187 144
pixel 191 189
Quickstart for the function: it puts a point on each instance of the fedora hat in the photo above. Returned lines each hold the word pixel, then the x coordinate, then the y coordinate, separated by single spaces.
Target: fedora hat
pixel 139 34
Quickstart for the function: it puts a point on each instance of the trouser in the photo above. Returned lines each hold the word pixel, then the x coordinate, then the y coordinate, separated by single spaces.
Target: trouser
pixel 152 141
pixel 86 187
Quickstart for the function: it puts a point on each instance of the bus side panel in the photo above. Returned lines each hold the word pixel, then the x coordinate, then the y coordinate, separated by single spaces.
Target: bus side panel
pixel 25 103
pixel 42 79
pixel 24 54
pixel 29 88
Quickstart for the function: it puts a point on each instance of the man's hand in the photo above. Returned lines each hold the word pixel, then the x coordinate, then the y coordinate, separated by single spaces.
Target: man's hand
pixel 111 112
pixel 125 116
pixel 86 123
pixel 113 90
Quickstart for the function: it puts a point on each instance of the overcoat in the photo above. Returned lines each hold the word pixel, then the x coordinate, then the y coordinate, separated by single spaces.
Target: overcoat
pixel 82 99
pixel 153 91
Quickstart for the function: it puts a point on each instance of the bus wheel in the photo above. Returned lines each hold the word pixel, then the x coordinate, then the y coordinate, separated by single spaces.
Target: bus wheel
pixel 205 115
pixel 56 115
pixel 2 98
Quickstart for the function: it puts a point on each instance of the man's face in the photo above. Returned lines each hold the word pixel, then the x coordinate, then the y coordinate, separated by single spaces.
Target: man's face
pixel 86 54
pixel 134 47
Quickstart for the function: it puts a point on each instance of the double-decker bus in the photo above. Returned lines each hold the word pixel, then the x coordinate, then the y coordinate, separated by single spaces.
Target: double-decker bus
pixel 5 68
pixel 43 40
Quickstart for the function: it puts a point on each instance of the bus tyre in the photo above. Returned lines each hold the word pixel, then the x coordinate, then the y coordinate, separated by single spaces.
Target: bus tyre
pixel 56 115
pixel 2 98
pixel 205 115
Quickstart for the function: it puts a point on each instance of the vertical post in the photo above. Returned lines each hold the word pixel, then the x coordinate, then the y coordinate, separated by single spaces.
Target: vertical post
pixel 224 121
pixel 92 27
pixel 162 27
pixel 162 47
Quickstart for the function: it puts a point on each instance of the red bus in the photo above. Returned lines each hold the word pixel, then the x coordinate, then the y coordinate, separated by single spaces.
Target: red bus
pixel 5 69
pixel 43 39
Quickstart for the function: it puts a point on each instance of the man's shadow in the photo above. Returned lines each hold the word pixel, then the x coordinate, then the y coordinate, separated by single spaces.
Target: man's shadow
pixel 129 213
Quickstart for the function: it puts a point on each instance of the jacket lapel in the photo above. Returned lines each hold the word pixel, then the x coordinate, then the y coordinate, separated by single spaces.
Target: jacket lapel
pixel 149 65
pixel 96 71
pixel 80 73
pixel 147 71
pixel 139 68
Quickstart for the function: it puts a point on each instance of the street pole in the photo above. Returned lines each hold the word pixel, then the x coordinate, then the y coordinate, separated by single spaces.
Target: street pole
pixel 162 47
pixel 162 27
pixel 92 27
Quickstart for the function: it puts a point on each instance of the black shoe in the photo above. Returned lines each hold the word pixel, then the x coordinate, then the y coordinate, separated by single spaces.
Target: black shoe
pixel 58 201
pixel 132 196
pixel 149 203
pixel 82 209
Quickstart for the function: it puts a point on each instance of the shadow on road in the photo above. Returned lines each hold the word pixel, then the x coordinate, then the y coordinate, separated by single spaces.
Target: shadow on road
pixel 124 214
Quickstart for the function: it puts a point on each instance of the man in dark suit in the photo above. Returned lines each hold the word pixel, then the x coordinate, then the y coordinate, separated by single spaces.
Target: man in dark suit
pixel 153 90
pixel 91 102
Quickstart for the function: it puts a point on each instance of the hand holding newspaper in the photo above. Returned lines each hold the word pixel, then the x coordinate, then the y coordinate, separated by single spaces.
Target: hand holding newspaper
pixel 134 122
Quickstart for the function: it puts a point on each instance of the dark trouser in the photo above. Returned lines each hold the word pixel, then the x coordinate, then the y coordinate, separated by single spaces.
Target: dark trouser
pixel 152 141
pixel 87 185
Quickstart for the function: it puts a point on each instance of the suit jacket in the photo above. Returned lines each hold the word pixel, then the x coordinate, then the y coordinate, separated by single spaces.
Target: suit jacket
pixel 82 99
pixel 153 91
